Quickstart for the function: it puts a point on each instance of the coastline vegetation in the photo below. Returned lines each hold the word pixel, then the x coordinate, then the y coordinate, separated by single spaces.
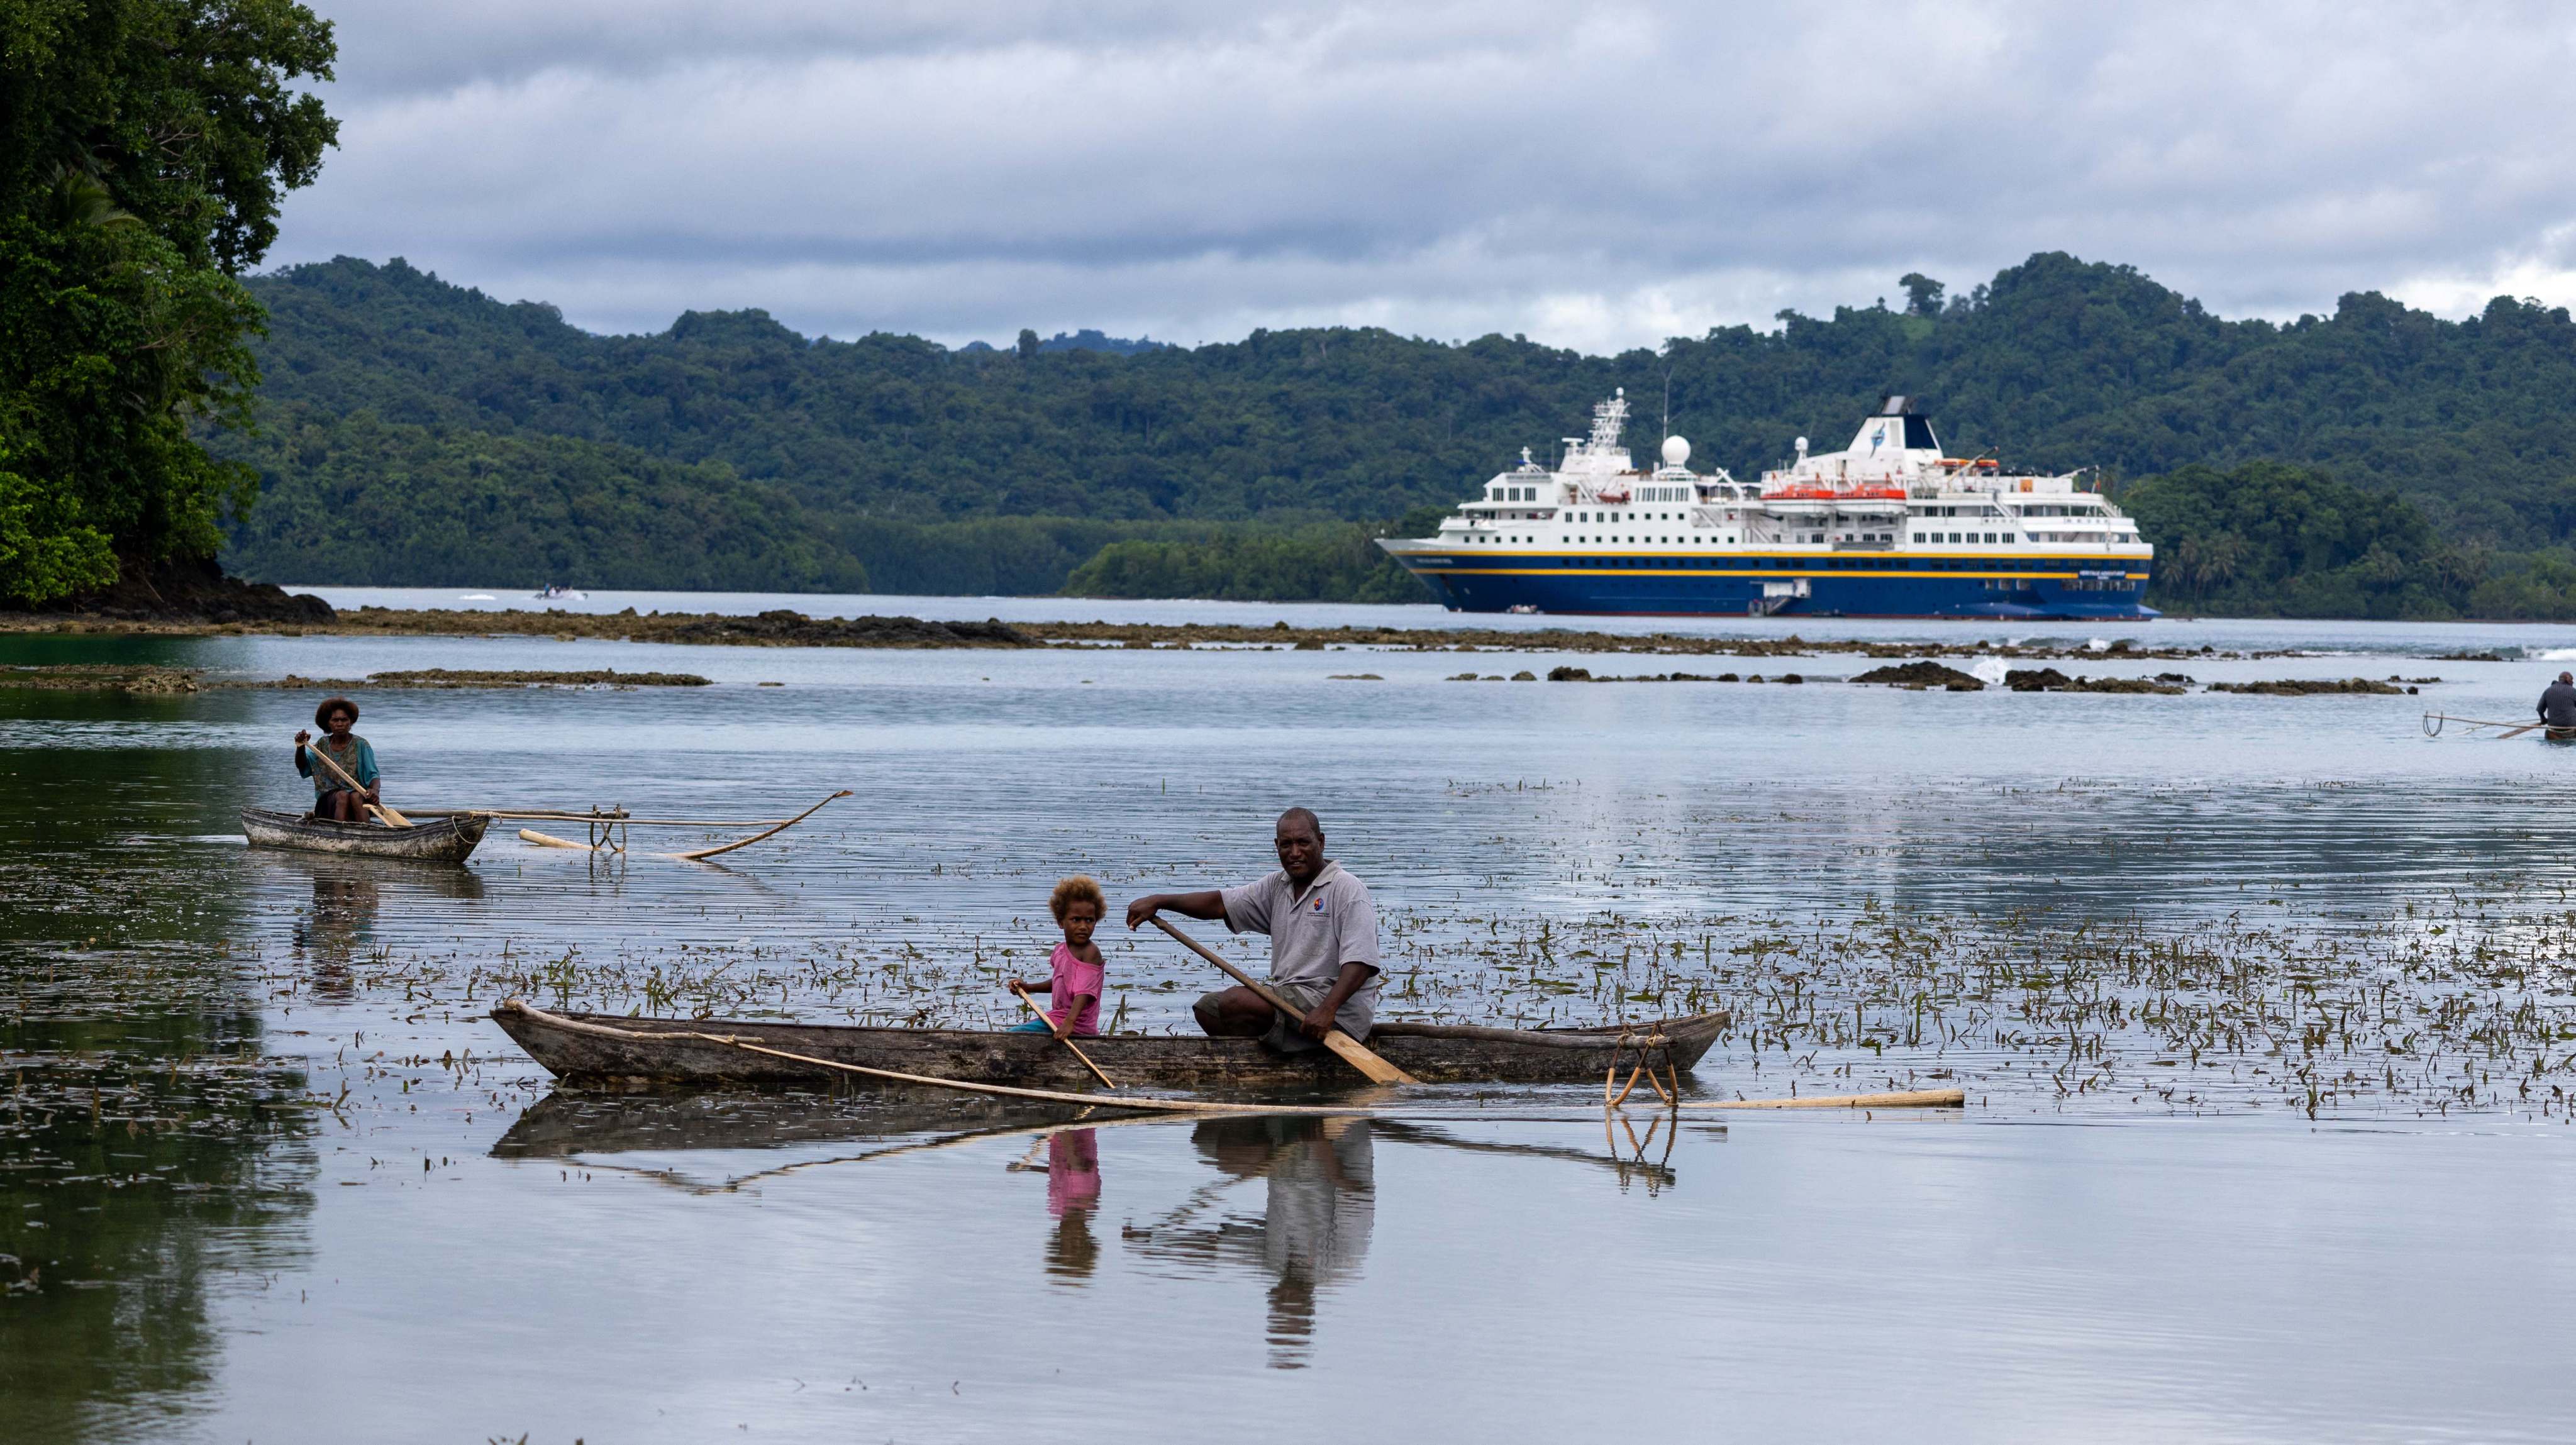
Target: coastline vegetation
pixel 145 147
pixel 2378 462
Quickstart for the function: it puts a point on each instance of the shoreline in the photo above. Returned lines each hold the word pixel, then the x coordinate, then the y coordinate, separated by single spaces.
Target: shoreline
pixel 782 628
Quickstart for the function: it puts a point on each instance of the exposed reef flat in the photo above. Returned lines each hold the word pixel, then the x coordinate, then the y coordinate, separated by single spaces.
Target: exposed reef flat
pixel 783 628
pixel 153 678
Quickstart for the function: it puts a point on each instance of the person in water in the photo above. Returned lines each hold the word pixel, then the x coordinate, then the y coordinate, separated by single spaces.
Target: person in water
pixel 1079 970
pixel 1323 944
pixel 2558 702
pixel 332 798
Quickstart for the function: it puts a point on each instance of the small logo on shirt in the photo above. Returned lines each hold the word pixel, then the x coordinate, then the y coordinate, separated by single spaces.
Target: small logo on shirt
pixel 1317 906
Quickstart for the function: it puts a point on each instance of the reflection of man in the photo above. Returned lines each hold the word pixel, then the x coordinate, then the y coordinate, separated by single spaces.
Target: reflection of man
pixel 1323 943
pixel 1314 1229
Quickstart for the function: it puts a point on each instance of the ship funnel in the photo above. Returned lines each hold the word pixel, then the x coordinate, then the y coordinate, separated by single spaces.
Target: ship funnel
pixel 1900 424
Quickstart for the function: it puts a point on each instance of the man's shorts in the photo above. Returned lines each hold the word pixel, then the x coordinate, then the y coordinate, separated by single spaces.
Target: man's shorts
pixel 1357 1014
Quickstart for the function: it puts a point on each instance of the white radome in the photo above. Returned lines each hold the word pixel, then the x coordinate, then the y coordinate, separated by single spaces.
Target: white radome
pixel 1676 451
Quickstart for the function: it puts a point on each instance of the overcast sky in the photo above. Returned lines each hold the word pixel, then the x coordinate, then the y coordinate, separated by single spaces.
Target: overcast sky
pixel 1598 177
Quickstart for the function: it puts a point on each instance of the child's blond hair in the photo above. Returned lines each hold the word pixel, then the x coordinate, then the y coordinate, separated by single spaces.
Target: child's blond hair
pixel 1077 889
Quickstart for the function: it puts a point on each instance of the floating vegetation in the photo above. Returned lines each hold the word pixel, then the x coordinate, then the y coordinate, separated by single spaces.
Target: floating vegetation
pixel 2467 1006
pixel 2470 1006
pixel 138 1088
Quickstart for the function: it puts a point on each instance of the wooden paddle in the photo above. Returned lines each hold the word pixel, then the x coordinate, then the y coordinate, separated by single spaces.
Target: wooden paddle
pixel 384 815
pixel 1065 1039
pixel 1378 1070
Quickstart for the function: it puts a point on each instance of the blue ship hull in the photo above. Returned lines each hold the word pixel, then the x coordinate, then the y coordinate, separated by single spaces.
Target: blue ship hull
pixel 2092 588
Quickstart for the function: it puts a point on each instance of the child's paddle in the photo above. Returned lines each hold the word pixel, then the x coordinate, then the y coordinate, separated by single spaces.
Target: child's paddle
pixel 1378 1070
pixel 1105 1081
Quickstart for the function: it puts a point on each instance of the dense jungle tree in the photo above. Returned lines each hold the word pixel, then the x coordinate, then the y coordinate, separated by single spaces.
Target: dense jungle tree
pixel 145 146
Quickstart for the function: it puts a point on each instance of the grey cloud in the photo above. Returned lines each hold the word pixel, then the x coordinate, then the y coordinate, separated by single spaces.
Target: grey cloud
pixel 1599 178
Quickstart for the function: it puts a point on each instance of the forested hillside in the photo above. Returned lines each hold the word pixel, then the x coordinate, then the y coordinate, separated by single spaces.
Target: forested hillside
pixel 395 403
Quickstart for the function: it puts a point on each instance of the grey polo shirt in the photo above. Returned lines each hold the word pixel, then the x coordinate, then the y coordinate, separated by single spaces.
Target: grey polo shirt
pixel 1312 934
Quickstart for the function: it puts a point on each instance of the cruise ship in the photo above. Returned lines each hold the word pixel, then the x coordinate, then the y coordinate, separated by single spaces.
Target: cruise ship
pixel 1886 527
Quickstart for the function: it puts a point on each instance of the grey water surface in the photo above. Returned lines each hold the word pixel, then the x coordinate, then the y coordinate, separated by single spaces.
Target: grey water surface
pixel 267 1173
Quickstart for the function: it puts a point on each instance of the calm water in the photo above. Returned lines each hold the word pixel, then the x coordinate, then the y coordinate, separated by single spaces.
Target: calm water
pixel 230 1068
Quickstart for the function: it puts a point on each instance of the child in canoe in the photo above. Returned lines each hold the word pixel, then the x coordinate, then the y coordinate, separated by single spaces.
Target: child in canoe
pixel 1074 986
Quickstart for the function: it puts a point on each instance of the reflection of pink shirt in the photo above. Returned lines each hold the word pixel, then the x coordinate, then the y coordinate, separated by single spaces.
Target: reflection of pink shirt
pixel 1073 976
pixel 1073 1170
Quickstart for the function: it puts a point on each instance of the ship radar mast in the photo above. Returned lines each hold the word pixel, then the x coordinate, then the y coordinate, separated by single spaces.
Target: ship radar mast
pixel 1599 455
pixel 1608 419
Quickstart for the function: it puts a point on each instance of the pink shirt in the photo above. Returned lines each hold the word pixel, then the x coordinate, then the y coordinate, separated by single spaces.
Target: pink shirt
pixel 1073 976
pixel 1073 1171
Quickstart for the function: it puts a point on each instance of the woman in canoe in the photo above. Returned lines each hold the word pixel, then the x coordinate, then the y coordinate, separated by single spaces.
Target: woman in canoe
pixel 332 798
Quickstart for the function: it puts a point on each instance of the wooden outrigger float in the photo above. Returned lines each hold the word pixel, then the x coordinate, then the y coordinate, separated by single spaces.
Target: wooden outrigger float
pixel 585 1050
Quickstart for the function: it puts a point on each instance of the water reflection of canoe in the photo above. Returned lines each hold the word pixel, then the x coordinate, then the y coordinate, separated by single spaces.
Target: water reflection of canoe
pixel 602 1049
pixel 446 840
pixel 570 1122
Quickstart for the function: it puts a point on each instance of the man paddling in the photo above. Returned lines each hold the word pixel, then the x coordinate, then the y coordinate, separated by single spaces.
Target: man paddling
pixel 1323 944
pixel 2558 703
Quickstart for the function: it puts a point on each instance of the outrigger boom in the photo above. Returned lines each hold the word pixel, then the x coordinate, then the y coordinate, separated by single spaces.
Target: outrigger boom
pixel 2433 726
pixel 607 826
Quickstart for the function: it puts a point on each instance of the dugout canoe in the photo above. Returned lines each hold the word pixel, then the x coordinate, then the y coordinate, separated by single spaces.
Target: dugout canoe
pixel 446 840
pixel 585 1050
